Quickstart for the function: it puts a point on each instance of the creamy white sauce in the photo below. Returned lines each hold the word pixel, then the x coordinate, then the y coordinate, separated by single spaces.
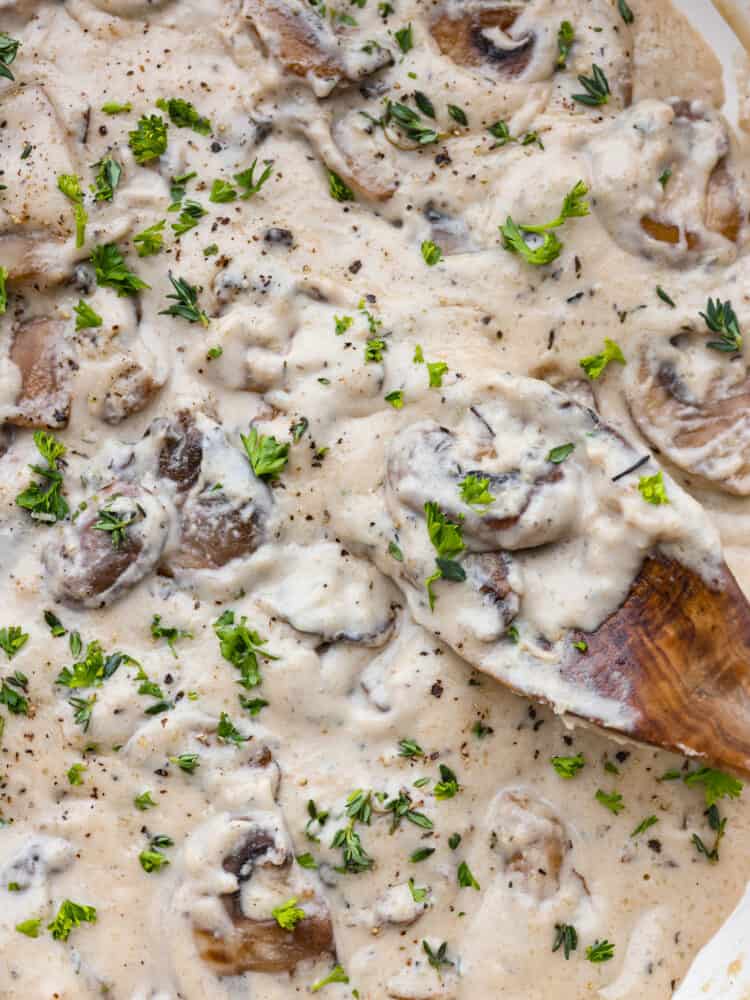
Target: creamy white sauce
pixel 357 660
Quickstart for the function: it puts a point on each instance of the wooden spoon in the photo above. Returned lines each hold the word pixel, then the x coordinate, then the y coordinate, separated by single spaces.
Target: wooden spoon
pixel 677 653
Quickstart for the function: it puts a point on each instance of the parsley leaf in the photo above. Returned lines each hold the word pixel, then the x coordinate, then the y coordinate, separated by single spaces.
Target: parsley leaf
pixel 149 139
pixel 170 633
pixel 717 785
pixel 565 37
pixel 227 732
pixel 560 453
pixel 514 236
pixel 336 975
pixel 652 489
pixel 8 51
pixel 338 188
pixel 44 500
pixel 115 108
pixel 447 541
pixel 12 640
pixel 568 767
pixel 395 398
pixel 184 115
pixel 144 801
pixel 222 192
pixel 288 914
pixel 246 179
pixel 111 271
pixel 70 185
pixel 190 215
pixel 610 800
pixel 474 492
pixel 438 957
pixel 3 290
pixel 594 364
pixel 600 951
pixel 151 240
pixel 266 455
pixel 405 38
pixel 187 762
pixel 108 173
pixel 431 253
pixel 409 748
pixel 86 317
pixel 69 916
pixel 241 647
pixel 645 824
pixel 152 860
pixel 29 927
pixel 465 878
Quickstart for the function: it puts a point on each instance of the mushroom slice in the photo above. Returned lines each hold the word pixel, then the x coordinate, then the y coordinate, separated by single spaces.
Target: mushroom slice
pixel 181 452
pixel 224 509
pixel 693 405
pixel 89 565
pixel 302 42
pixel 481 36
pixel 248 938
pixel 45 361
pixel 130 390
pixel 530 838
pixel 688 197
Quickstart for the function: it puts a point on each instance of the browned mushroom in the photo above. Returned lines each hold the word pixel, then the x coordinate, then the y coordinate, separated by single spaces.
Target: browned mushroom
pixel 468 39
pixel 181 452
pixel 90 564
pixel 129 391
pixel 215 530
pixel 261 945
pixel 306 46
pixel 45 361
pixel 700 423
pixel 530 838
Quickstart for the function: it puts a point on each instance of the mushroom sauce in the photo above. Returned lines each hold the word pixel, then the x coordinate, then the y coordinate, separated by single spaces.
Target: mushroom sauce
pixel 353 358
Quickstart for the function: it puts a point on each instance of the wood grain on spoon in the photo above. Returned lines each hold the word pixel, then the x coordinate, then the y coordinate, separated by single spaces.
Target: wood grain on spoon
pixel 677 652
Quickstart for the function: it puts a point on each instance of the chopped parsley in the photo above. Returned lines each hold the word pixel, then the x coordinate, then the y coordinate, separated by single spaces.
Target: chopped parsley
pixel 437 957
pixel 288 914
pixel 431 253
pixel 718 825
pixel 610 800
pixel 106 179
pixel 246 179
pixel 400 808
pixel 115 517
pixel 568 767
pixel 514 236
pixel 560 453
pixel 410 123
pixel 144 801
pixel 405 38
pixel 70 185
pixel 151 240
pixel 54 624
pixel 86 317
pixel 458 114
pixel 625 12
pixel 336 975
pixel 69 916
pixel 421 854
pixel 115 108
pixel 170 633
pixel 153 860
pixel 474 491
pixel 417 894
pixel 338 189
pixel 645 824
pixel 716 784
pixel 187 762
pixel 267 456
pixel 241 647
pixel 44 500
pixel 652 489
pixel 3 290
pixel 664 297
pixel 13 691
pixel 111 271
pixel 447 541
pixel 8 51
pixel 600 951
pixel 664 176
pixel 253 705
pixel 409 748
pixel 465 878
pixel 29 927
pixel 12 640
pixel 184 115
pixel 395 398
pixel 448 786
pixel 83 709
pixel 594 364
pixel 191 212
pixel 355 857
pixel 227 732
pixel 75 774
pixel 565 38
pixel 222 192
pixel 149 139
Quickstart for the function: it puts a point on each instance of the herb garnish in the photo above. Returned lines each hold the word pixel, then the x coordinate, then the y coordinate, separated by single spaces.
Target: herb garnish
pixel 595 364
pixel 338 188
pixel 721 318
pixel 514 236
pixel 246 179
pixel 568 767
pixel 111 272
pixel 447 541
pixel 266 455
pixel 106 179
pixel 565 37
pixel 8 51
pixel 652 489
pixel 596 87
pixel 431 253
pixel 241 647
pixel 184 115
pixel 185 303
pixel 70 185
pixel 86 317
pixel 12 640
pixel 465 878
pixel 566 937
pixel 69 916
pixel 44 500
pixel 610 800
pixel 288 914
pixel 149 139
pixel 600 951
pixel 151 240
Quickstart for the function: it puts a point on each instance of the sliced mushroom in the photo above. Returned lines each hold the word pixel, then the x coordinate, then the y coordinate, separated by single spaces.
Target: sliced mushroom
pixel 693 405
pixel 481 36
pixel 223 508
pixel 530 838
pixel 130 391
pixel 255 943
pixel 673 160
pixel 90 567
pixel 45 361
pixel 303 43
pixel 181 452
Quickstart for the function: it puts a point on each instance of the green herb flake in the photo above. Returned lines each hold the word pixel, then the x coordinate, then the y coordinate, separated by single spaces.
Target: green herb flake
pixel 560 453
pixel 566 938
pixel 149 139
pixel 69 916
pixel 568 767
pixel 86 317
pixel 610 800
pixel 652 489
pixel 595 364
pixel 184 115
pixel 431 253
pixel 288 914
pixel 338 188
